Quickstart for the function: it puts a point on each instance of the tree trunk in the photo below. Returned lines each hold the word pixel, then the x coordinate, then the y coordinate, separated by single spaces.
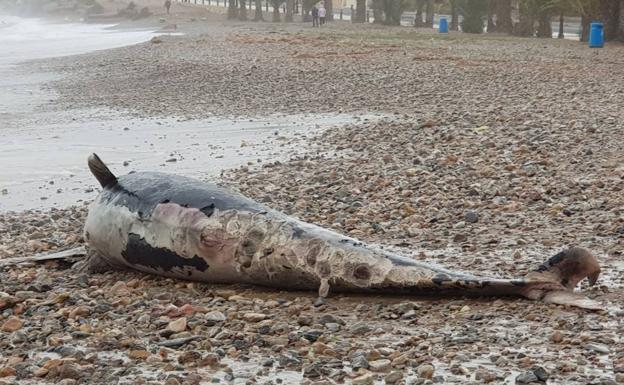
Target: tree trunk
pixel 276 16
pixel 232 12
pixel 378 11
pixel 242 10
pixel 610 10
pixel 420 4
pixel 525 26
pixel 258 15
pixel 360 12
pixel 621 23
pixel 290 7
pixel 561 20
pixel 491 27
pixel 544 26
pixel 590 13
pixel 330 10
pixel 504 23
pixel 454 16
pixel 429 17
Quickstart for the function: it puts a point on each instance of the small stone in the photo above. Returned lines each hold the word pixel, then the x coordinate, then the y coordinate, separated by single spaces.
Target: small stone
pixel 215 317
pixel 382 365
pixel 484 375
pixel 267 362
pixel 556 337
pixel 189 357
pixel 172 381
pixel 540 373
pixel 254 317
pixel 320 301
pixel 178 325
pixel 7 372
pixel 138 354
pixel 360 328
pixel 526 378
pixel 12 324
pixel 365 379
pixel 425 371
pixel 598 348
pixel 393 377
pixel 359 362
pixel 471 217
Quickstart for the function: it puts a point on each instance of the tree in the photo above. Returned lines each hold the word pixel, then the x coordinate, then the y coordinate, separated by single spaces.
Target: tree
pixel 491 27
pixel 258 16
pixel 454 16
pixel 242 10
pixel 290 8
pixel 360 11
pixel 232 12
pixel 388 11
pixel 420 5
pixel 610 12
pixel 503 16
pixel 276 16
pixel 329 6
pixel 474 13
pixel 429 17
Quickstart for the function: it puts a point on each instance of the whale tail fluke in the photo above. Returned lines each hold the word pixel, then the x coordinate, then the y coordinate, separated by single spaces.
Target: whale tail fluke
pixel 554 280
pixel 101 171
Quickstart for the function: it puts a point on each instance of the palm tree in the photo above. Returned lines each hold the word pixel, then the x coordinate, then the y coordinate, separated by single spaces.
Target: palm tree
pixel 232 12
pixel 474 13
pixel 429 17
pixel 503 16
pixel 360 11
pixel 276 15
pixel 420 4
pixel 290 8
pixel 242 10
pixel 454 16
pixel 258 16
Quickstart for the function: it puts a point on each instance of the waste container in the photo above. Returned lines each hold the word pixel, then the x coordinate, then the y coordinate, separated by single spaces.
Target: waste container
pixel 443 28
pixel 596 35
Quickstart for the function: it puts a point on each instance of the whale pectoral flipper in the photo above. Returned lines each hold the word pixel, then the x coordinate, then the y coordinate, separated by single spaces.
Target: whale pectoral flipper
pixel 94 263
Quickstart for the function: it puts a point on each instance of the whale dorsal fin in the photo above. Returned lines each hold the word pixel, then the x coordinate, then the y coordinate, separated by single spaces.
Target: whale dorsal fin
pixel 101 172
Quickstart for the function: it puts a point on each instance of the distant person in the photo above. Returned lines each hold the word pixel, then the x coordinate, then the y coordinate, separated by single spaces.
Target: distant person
pixel 168 5
pixel 315 16
pixel 321 14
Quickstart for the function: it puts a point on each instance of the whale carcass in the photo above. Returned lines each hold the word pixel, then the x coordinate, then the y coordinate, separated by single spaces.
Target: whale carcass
pixel 180 227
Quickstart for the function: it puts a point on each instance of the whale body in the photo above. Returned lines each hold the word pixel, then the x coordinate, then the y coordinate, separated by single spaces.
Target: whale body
pixel 183 228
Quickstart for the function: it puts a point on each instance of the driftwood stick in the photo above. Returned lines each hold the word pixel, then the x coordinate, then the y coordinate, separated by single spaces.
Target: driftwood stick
pixel 43 257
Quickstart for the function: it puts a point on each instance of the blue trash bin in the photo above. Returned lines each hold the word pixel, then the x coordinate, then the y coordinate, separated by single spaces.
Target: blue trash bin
pixel 596 35
pixel 443 28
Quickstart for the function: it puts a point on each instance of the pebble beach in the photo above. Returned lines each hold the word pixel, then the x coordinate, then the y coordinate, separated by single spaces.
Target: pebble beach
pixel 485 154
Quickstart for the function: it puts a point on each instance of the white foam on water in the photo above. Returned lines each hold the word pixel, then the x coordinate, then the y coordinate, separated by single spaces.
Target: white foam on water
pixel 24 39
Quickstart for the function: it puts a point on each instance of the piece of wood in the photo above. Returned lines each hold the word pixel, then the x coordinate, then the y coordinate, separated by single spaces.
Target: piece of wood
pixel 43 257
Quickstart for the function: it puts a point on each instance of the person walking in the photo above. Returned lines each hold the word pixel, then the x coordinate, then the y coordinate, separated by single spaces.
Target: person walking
pixel 322 13
pixel 168 5
pixel 315 16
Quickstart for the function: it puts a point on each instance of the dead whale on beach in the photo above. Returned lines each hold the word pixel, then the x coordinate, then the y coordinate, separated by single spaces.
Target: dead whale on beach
pixel 179 227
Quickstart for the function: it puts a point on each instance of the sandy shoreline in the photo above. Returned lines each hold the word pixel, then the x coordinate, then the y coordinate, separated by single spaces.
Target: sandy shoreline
pixel 495 152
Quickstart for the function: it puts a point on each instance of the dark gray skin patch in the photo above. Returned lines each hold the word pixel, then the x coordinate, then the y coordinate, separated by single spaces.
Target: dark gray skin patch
pixel 139 252
pixel 440 279
pixel 552 261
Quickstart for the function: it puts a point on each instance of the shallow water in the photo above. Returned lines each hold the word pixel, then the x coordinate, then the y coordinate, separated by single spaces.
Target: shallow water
pixel 29 38
pixel 45 166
